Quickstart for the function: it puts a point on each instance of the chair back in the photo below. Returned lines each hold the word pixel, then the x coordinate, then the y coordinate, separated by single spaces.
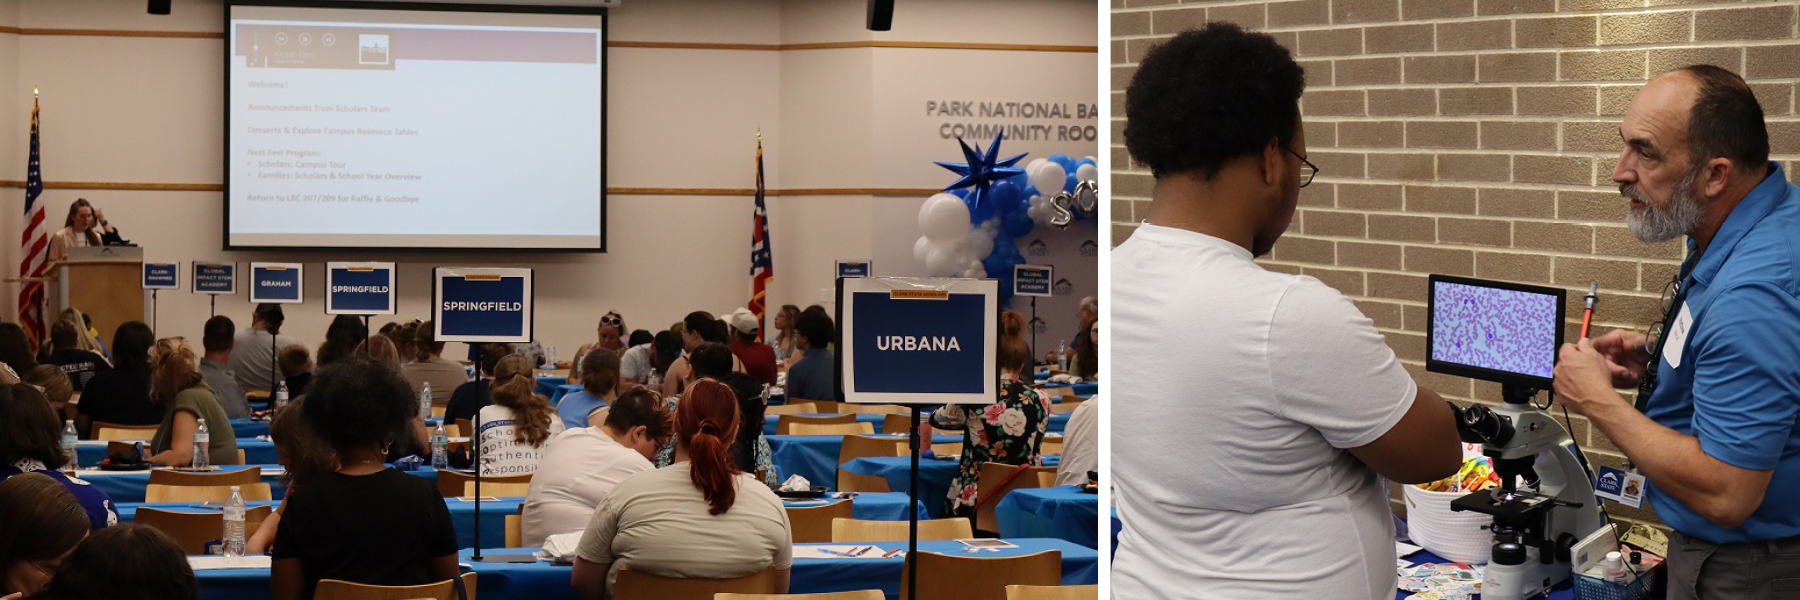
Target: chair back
pixel 1053 444
pixel 902 423
pixel 450 483
pixel 812 524
pixel 498 489
pixel 800 407
pixel 192 531
pixel 636 585
pixel 515 531
pixel 996 481
pixel 859 446
pixel 947 449
pixel 239 477
pixel 858 531
pixel 157 492
pixel 1064 407
pixel 855 595
pixel 970 578
pixel 437 410
pixel 785 423
pixel 1054 393
pixel 1052 592
pixel 874 409
pixel 336 589
pixel 125 433
pixel 832 429
pixel 857 482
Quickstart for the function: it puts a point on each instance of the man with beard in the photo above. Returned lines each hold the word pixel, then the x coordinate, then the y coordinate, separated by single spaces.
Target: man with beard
pixel 1253 410
pixel 1716 426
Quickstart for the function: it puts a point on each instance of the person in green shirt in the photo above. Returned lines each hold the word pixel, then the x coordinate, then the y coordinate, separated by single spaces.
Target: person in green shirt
pixel 177 386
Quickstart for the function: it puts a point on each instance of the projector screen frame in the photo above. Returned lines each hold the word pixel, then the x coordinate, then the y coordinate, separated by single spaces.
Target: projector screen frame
pixel 605 32
pixel 1434 365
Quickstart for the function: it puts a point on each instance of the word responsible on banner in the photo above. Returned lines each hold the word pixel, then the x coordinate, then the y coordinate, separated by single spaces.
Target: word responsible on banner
pixel 162 276
pixel 279 283
pixel 215 278
pixel 359 288
pixel 1032 280
pixel 482 304
pixel 919 344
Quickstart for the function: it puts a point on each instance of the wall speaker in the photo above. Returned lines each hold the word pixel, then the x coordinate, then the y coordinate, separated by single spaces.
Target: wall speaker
pixel 159 7
pixel 881 15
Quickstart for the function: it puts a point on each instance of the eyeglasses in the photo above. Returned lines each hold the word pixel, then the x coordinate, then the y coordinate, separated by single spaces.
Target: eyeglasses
pixel 1653 336
pixel 1307 170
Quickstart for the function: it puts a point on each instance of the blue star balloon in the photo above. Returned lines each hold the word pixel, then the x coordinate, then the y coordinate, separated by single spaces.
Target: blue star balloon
pixel 982 170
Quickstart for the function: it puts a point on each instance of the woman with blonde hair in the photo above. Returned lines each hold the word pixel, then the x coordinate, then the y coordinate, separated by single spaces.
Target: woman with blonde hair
pixel 77 232
pixel 88 339
pixel 176 386
pixel 380 348
pixel 513 430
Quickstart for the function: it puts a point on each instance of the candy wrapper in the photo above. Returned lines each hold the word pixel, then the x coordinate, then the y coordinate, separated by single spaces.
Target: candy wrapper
pixel 1441 581
pixel 1476 474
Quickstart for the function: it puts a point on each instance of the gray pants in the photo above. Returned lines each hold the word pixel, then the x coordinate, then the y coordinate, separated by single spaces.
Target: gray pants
pixel 1702 570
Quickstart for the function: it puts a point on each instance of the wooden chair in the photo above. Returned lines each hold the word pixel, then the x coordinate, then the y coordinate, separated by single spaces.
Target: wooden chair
pixel 157 492
pixel 515 531
pixel 990 489
pixel 947 449
pixel 450 483
pixel 438 411
pixel 828 406
pixel 969 578
pixel 784 424
pixel 874 409
pixel 858 446
pixel 803 407
pixel 832 429
pixel 812 524
pixel 860 531
pixel 1063 407
pixel 126 433
pixel 903 424
pixel 635 585
pixel 336 589
pixel 193 530
pixel 1052 592
pixel 855 595
pixel 857 482
pixel 499 489
pixel 452 430
pixel 1053 444
pixel 221 478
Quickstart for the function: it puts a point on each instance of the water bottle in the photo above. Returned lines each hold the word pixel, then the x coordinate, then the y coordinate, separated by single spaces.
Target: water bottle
pixel 1062 355
pixel 281 395
pixel 68 445
pixel 202 441
pixel 550 357
pixel 425 401
pixel 234 524
pixel 440 448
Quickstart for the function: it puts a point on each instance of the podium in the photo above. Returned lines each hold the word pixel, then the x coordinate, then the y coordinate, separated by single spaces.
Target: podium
pixel 105 282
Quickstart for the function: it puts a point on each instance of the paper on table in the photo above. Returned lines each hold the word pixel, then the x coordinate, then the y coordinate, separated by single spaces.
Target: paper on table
pixel 204 563
pixel 1403 548
pixel 830 551
pixel 483 499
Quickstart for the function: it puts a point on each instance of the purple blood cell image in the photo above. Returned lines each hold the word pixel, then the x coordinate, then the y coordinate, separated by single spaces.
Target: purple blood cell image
pixel 1497 329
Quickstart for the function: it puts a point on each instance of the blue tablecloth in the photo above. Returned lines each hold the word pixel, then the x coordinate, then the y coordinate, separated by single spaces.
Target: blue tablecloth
pixel 1084 390
pixel 128 486
pixel 1057 422
pixel 934 476
pixel 246 428
pixel 815 457
pixel 544 581
pixel 256 452
pixel 462 516
pixel 547 384
pixel 1063 512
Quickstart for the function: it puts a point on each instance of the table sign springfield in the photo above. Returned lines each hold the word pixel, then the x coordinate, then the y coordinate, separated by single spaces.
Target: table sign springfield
pixel 918 341
pixel 482 304
pixel 365 288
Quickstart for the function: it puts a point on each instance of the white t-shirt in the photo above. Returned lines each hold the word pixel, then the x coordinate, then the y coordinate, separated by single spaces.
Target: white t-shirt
pixel 634 365
pixel 659 523
pixel 1237 391
pixel 501 452
pixel 579 468
pixel 1081 444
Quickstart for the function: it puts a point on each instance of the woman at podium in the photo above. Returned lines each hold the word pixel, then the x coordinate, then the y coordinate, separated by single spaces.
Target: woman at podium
pixel 85 226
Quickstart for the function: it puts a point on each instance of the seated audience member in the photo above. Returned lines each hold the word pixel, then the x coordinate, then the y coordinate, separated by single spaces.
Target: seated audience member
pixel 1085 315
pixel 406 341
pixel 649 363
pixel 121 396
pixel 611 334
pixel 88 339
pixel 786 336
pixel 1086 363
pixel 750 451
pixel 217 341
pixel 380 348
pixel 253 354
pixel 66 353
pixel 654 521
pixel 582 465
pixel 296 368
pixel 639 337
pixel 364 522
pixel 30 436
pixel 707 361
pixel 813 377
pixel 1010 431
pixel 1081 444
pixel 698 328
pixel 304 456
pixel 128 561
pixel 429 365
pixel 470 397
pixel 512 431
pixel 176 385
pixel 40 525
pixel 758 358
pixel 15 351
pixel 599 385
pixel 345 333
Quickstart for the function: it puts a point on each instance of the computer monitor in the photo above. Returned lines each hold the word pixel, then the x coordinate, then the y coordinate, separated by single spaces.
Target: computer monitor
pixel 1494 330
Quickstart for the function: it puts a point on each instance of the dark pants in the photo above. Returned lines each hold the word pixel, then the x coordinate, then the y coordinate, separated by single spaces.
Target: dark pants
pixel 1702 570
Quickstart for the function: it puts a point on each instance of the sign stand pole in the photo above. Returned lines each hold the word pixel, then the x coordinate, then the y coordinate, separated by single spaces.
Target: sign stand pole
pixel 475 446
pixel 912 511
pixel 153 309
pixel 214 304
pixel 1033 325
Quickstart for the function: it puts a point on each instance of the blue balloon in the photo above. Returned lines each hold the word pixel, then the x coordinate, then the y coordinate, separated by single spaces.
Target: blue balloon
pixel 1064 160
pixel 1016 224
pixel 1004 191
pixel 981 212
pixel 995 263
pixel 963 192
pixel 1020 205
pixel 1069 184
pixel 1087 161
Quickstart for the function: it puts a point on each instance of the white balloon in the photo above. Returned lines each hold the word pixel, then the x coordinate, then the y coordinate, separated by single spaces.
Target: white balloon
pixel 991 226
pixel 1087 172
pixel 944 218
pixel 941 261
pixel 979 273
pixel 1032 166
pixel 1049 178
pixel 920 247
pixel 981 243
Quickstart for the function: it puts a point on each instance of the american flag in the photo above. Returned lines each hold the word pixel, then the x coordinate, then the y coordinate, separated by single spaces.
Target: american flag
pixel 35 243
pixel 762 261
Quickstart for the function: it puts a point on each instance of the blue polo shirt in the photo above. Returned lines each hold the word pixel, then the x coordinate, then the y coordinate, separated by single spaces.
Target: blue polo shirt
pixel 1734 382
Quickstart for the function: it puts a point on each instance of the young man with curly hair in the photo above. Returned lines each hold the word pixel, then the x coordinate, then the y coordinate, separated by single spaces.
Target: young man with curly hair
pixel 1248 463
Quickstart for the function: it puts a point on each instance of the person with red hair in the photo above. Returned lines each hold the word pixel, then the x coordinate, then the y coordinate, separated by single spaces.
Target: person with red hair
pixel 654 520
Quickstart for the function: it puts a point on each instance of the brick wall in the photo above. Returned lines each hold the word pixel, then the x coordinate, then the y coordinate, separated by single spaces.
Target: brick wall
pixel 1474 137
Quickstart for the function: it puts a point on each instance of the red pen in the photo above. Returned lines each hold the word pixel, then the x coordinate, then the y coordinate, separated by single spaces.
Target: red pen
pixel 1587 316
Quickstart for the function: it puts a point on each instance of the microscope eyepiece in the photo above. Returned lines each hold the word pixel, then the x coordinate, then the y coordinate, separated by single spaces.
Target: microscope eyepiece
pixel 1476 424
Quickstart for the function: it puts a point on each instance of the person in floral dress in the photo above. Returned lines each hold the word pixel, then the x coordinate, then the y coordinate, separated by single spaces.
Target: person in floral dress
pixel 1009 431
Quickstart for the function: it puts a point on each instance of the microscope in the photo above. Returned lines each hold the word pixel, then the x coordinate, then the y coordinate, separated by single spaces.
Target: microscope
pixel 1545 504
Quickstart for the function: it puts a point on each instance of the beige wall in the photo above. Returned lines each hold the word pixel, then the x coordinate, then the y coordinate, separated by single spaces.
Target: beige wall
pixel 1474 138
pixel 123 109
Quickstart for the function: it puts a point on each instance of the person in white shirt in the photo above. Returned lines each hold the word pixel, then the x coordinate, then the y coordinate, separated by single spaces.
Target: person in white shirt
pixel 1254 412
pixel 581 466
pixel 513 430
pixel 1081 444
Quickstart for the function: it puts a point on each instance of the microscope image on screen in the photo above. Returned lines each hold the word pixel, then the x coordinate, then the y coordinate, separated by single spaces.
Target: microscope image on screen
pixel 1493 328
